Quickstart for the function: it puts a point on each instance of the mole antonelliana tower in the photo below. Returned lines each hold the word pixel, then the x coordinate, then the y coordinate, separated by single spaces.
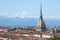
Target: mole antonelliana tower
pixel 41 24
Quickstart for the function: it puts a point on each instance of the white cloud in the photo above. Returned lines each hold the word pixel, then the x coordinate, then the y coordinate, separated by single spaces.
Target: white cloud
pixel 12 15
pixel 3 14
pixel 25 14
pixel 52 17
pixel 22 15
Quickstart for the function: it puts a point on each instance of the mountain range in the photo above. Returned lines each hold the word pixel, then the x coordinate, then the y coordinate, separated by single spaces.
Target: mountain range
pixel 4 21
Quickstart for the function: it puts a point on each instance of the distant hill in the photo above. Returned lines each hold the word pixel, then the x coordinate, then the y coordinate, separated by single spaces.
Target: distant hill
pixel 4 21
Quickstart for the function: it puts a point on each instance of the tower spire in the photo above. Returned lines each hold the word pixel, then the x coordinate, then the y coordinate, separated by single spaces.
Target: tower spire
pixel 41 11
pixel 41 24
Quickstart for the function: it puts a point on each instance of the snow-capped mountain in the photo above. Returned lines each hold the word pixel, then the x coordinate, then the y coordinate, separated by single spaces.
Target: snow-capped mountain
pixel 4 21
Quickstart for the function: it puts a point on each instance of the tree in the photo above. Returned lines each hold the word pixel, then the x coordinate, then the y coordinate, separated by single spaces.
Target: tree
pixel 55 38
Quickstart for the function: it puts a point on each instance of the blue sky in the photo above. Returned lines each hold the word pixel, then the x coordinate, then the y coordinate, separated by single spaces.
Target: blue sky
pixel 29 9
pixel 23 8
